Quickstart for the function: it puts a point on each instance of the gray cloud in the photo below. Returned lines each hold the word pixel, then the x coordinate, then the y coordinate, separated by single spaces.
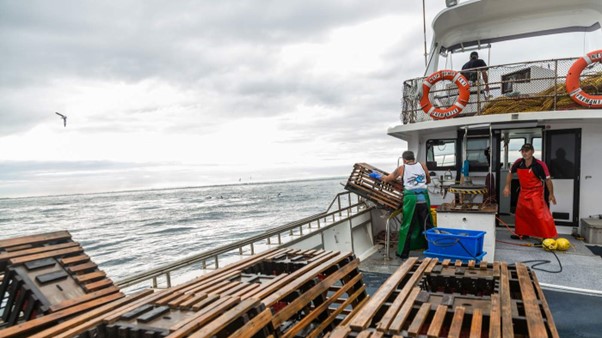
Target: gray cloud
pixel 221 57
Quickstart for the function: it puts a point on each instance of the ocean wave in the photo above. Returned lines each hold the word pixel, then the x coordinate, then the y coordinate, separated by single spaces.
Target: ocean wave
pixel 171 230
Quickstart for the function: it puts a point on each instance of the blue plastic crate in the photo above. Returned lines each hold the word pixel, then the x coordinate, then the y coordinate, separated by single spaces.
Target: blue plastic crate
pixel 465 259
pixel 455 242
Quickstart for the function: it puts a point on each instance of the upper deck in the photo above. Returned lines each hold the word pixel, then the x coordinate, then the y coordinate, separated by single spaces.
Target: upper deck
pixel 534 86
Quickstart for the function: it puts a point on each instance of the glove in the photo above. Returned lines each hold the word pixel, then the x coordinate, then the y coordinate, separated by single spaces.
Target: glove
pixel 375 175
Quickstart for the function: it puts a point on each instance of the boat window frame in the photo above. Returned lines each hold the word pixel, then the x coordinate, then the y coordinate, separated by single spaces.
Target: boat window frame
pixel 479 166
pixel 432 165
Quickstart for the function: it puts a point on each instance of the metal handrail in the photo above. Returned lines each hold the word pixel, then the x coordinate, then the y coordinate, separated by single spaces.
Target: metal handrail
pixel 263 238
pixel 539 90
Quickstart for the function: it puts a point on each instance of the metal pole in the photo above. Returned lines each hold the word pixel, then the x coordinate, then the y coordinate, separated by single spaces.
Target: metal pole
pixel 424 29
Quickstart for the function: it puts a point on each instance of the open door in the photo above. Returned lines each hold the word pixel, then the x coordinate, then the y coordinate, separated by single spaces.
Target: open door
pixel 562 153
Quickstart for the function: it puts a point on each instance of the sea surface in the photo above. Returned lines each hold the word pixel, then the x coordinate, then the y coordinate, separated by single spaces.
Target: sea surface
pixel 129 232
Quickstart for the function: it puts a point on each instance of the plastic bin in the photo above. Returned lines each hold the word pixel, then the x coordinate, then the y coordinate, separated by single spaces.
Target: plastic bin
pixel 591 229
pixel 455 242
pixel 465 259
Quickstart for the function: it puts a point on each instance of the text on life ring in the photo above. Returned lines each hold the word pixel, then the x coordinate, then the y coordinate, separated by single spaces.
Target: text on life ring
pixel 573 84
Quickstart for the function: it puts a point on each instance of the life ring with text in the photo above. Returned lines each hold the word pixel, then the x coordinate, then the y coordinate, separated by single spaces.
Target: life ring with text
pixel 573 83
pixel 454 109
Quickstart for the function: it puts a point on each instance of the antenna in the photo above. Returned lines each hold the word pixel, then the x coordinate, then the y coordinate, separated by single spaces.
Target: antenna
pixel 424 30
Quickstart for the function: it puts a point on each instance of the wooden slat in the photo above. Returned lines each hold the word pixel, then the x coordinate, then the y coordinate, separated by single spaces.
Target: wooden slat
pixel 546 308
pixel 23 329
pixel 228 317
pixel 254 292
pixel 280 289
pixel 79 324
pixel 506 302
pixel 35 239
pixel 55 253
pixel 456 324
pixel 90 276
pixel 403 313
pixel 82 267
pixel 244 293
pixel 14 254
pixel 431 266
pixel 168 298
pixel 254 325
pixel 195 299
pixel 389 316
pixel 74 259
pixel 239 265
pixel 74 301
pixel 149 298
pixel 419 320
pixel 494 316
pixel 181 299
pixel 202 318
pixel 325 323
pixel 437 322
pixel 311 294
pixel 95 286
pixel 18 247
pixel 361 321
pixel 340 332
pixel 207 302
pixel 299 303
pixel 532 313
pixel 476 325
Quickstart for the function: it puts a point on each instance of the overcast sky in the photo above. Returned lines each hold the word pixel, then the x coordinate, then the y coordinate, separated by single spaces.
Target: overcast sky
pixel 187 93
pixel 164 94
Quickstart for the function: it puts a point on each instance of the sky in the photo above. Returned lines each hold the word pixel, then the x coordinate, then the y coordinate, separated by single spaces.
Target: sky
pixel 162 94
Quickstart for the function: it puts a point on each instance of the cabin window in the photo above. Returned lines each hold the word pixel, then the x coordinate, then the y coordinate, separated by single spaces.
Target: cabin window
pixel 475 153
pixel 440 154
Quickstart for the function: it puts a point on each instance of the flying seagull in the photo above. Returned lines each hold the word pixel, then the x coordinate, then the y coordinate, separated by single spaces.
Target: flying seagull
pixel 63 117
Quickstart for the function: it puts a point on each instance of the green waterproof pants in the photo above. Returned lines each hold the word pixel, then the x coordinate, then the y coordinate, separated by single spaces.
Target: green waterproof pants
pixel 417 240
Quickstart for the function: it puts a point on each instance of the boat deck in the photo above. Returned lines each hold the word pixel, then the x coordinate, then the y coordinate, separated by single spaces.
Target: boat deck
pixel 581 269
pixel 573 294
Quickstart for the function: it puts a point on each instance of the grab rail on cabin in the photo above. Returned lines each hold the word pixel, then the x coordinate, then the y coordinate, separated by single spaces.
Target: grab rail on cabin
pixel 513 88
pixel 345 205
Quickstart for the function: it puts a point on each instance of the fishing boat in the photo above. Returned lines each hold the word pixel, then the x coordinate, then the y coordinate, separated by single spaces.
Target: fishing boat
pixel 468 133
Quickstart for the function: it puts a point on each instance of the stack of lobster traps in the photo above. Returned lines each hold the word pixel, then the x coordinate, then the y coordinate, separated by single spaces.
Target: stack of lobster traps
pixel 45 278
pixel 445 299
pixel 387 195
pixel 279 293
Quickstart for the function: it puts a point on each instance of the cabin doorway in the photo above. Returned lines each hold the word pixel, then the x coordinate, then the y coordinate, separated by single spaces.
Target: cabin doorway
pixel 510 141
pixel 562 154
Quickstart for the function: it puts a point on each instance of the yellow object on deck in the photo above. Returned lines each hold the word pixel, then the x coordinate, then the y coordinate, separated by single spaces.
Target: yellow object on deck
pixel 434 215
pixel 562 244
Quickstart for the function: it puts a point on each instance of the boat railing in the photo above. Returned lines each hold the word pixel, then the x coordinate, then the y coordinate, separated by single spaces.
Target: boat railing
pixel 342 207
pixel 511 88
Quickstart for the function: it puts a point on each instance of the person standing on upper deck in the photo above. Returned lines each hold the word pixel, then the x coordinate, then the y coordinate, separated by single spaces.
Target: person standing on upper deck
pixel 472 75
pixel 416 203
pixel 533 217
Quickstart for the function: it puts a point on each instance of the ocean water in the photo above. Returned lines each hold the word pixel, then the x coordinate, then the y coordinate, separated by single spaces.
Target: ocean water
pixel 129 232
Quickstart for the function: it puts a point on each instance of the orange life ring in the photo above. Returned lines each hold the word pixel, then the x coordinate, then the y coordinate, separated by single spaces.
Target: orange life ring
pixel 454 109
pixel 573 84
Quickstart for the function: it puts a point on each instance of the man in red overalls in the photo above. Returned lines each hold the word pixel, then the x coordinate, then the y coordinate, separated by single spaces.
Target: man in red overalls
pixel 533 217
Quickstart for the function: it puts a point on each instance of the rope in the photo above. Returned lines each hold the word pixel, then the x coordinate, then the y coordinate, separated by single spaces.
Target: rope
pixel 537 262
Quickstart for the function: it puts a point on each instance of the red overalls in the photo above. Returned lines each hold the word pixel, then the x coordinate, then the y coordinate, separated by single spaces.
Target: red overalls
pixel 533 218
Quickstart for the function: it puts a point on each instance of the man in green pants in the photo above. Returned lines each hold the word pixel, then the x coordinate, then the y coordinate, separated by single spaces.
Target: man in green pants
pixel 416 203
